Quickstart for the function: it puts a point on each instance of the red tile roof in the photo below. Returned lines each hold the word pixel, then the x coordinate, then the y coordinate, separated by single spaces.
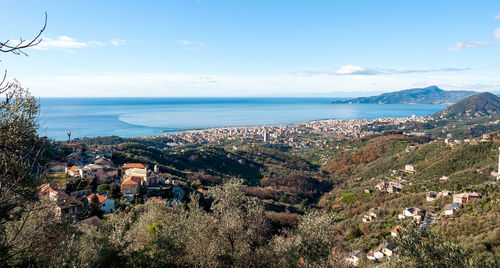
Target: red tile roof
pixel 101 198
pixel 132 180
pixel 134 165
pixel 73 168
pixel 46 188
pixel 398 229
pixel 49 189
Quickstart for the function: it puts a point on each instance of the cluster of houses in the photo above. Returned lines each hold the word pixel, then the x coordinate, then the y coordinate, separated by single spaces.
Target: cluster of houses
pixel 390 186
pixel 85 169
pixel 384 250
pixel 458 201
pixel 433 196
pixel 416 214
pixel 370 216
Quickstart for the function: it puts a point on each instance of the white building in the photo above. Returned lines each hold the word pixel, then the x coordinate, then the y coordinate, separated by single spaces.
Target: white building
pixel 448 210
pixel 266 136
pixel 354 258
pixel 105 204
pixel 410 168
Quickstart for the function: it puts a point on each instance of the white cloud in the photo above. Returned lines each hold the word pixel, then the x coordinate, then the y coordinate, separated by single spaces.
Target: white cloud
pixel 467 45
pixel 192 45
pixel 60 42
pixel 496 33
pixel 353 70
pixel 497 17
pixel 117 42
pixel 68 44
pixel 358 70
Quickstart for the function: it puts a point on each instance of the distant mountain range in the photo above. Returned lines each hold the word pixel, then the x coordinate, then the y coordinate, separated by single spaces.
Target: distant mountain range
pixel 483 104
pixel 428 95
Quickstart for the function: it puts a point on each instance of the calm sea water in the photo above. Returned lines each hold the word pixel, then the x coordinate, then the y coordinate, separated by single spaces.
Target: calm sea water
pixel 131 117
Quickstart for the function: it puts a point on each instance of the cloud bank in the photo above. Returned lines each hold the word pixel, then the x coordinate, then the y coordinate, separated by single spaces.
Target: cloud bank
pixel 359 70
pixel 476 44
pixel 68 44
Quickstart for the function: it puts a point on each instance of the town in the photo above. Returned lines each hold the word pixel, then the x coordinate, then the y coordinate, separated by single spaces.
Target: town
pixel 294 135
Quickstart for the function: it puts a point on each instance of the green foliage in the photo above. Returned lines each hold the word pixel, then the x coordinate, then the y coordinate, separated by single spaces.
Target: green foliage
pixel 374 149
pixel 103 188
pixel 427 249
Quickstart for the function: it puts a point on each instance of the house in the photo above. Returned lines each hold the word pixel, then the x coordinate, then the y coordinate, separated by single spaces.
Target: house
pixel 354 258
pixel 388 249
pixel 397 230
pixel 110 173
pixel 73 171
pixel 371 215
pixel 105 204
pixel 443 179
pixel 416 213
pixel 448 210
pixel 135 170
pixel 66 207
pixel 51 191
pixel 375 255
pixel 463 198
pixel 382 186
pixel 133 165
pixel 153 179
pixel 131 186
pixel 445 193
pixel 431 196
pixel 57 167
pixel 378 252
pixel 394 187
pixel 69 208
pixel 409 169
pixel 93 171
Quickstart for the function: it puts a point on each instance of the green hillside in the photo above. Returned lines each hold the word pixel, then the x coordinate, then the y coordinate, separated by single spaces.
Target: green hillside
pixel 483 104
pixel 428 95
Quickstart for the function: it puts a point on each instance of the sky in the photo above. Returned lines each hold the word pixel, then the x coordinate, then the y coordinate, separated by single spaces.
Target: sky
pixel 215 48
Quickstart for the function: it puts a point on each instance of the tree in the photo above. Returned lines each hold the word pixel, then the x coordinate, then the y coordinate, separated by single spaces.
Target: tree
pixel 426 249
pixel 243 228
pixel 103 187
pixel 20 151
pixel 94 208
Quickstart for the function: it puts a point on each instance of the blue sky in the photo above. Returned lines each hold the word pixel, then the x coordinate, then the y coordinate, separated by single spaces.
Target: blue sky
pixel 253 48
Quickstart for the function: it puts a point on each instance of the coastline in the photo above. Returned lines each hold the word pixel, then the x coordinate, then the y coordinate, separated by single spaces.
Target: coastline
pixel 127 120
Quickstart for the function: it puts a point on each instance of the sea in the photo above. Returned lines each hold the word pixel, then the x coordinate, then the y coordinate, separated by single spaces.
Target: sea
pixel 135 117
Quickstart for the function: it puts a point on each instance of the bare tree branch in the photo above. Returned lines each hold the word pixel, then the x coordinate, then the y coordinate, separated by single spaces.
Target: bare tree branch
pixel 17 49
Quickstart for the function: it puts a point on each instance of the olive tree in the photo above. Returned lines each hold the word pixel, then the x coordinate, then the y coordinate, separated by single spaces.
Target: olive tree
pixel 20 149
